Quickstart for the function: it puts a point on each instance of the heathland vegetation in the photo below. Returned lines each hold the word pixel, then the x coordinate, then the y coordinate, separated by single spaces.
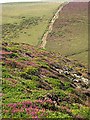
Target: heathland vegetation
pixel 44 83
pixel 40 84
pixel 69 35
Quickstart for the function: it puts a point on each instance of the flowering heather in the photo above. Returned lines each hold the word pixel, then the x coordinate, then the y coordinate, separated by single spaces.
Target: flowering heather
pixel 12 80
pixel 5 53
pixel 15 64
pixel 40 84
pixel 31 109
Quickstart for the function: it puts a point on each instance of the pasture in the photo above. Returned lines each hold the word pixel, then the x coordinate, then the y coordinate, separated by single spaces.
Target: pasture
pixel 26 22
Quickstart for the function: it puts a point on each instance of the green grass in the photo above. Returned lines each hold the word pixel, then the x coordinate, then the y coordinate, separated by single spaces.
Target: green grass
pixel 20 14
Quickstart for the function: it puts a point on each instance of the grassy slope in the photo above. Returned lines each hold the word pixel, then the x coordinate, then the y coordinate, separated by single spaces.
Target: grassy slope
pixel 26 21
pixel 70 32
pixel 37 82
pixel 31 74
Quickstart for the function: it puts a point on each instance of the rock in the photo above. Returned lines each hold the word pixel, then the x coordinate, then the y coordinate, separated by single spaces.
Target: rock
pixel 65 68
pixel 75 80
pixel 85 80
pixel 66 73
pixel 77 76
pixel 57 66
pixel 60 71
pixel 78 87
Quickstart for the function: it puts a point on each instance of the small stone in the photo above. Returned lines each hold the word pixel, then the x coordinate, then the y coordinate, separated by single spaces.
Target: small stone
pixel 85 80
pixel 75 80
pixel 77 76
pixel 66 73
pixel 60 71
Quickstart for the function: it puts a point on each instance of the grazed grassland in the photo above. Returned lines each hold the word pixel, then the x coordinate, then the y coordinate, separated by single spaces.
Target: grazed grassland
pixel 26 22
pixel 70 32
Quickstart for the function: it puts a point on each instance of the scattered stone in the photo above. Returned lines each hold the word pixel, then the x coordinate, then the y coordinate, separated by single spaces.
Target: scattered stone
pixel 66 73
pixel 60 71
pixel 77 76
pixel 85 80
pixel 57 66
pixel 75 80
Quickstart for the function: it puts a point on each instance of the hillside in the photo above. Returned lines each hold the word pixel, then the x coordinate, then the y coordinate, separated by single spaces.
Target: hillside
pixel 69 34
pixel 41 84
pixel 22 22
pixel 45 83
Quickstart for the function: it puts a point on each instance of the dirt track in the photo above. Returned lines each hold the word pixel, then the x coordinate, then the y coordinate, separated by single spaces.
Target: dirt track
pixel 44 41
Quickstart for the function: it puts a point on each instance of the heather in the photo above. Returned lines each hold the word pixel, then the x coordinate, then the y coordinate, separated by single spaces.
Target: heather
pixel 41 84
pixel 44 61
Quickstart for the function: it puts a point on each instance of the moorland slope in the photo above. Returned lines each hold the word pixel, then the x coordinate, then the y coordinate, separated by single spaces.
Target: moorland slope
pixel 69 35
pixel 37 83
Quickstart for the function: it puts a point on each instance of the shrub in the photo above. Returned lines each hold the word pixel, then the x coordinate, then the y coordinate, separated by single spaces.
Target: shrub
pixel 25 75
pixel 31 70
pixel 35 78
pixel 6 75
pixel 13 55
pixel 58 115
pixel 85 112
pixel 24 109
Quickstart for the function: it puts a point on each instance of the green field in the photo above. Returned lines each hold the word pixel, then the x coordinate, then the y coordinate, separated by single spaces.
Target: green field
pixel 26 22
pixel 70 32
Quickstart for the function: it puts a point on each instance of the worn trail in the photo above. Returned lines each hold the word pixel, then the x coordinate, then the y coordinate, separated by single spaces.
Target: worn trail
pixel 44 41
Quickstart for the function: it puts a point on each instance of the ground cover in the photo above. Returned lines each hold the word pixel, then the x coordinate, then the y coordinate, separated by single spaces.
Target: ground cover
pixel 26 22
pixel 70 32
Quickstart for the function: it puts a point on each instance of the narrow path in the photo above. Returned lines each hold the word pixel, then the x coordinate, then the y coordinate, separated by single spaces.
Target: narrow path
pixel 44 41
